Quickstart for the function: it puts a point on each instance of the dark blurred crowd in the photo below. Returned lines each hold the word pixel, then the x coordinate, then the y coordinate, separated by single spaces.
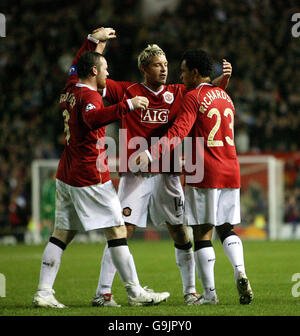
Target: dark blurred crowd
pixel 43 36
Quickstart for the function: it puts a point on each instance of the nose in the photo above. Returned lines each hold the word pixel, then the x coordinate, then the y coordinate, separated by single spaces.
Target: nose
pixel 163 69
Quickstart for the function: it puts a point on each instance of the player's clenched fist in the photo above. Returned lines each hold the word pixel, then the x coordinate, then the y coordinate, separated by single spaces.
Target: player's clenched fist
pixel 103 34
pixel 227 69
pixel 140 102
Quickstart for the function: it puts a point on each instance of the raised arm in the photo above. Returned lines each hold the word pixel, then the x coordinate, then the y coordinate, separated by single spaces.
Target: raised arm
pixel 101 36
pixel 223 80
pixel 94 42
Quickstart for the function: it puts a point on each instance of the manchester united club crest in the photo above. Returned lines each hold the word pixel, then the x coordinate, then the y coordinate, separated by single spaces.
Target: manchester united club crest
pixel 168 97
pixel 127 211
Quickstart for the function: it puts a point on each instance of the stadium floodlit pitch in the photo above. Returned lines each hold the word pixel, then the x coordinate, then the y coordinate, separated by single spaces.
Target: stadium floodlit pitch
pixel 270 267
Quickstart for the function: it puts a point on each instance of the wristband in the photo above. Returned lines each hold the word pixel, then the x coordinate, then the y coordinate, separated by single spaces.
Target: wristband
pixel 92 39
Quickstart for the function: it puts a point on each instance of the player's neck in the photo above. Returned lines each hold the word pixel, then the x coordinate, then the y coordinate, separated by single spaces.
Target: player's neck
pixel 89 82
pixel 153 87
pixel 202 80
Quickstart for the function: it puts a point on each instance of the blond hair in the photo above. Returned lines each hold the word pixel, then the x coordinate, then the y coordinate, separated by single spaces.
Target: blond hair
pixel 145 56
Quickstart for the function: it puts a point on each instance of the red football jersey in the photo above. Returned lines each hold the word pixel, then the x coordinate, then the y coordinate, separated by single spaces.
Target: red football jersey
pixel 207 112
pixel 148 124
pixel 83 160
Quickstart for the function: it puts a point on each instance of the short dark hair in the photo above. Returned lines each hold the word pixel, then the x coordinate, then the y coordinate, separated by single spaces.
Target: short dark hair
pixel 86 61
pixel 198 59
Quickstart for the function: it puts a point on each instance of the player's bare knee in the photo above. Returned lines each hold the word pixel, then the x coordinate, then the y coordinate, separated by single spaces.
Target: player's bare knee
pixel 178 233
pixel 115 232
pixel 202 232
pixel 64 236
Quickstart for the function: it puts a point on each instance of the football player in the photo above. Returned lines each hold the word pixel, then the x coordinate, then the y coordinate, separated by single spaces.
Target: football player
pixel 85 197
pixel 212 201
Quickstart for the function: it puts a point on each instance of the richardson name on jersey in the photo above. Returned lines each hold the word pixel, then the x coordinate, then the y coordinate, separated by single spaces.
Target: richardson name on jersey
pixel 151 115
pixel 211 96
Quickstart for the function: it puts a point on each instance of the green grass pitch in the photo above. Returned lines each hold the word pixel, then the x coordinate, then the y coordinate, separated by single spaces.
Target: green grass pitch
pixel 270 267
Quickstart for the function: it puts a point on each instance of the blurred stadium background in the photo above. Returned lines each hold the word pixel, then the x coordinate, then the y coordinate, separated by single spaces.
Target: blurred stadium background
pixel 254 35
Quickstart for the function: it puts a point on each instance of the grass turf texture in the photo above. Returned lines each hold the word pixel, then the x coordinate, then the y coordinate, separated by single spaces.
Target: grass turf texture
pixel 269 265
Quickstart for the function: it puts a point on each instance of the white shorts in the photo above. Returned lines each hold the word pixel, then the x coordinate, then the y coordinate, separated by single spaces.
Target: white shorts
pixel 87 208
pixel 212 206
pixel 155 199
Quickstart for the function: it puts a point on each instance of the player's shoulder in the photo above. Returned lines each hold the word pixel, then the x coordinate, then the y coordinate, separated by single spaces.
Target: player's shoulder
pixel 196 94
pixel 191 96
pixel 197 91
pixel 221 93
pixel 177 90
pixel 175 87
pixel 124 84
pixel 206 87
pixel 68 91
pixel 87 93
pixel 203 89
pixel 210 92
pixel 134 86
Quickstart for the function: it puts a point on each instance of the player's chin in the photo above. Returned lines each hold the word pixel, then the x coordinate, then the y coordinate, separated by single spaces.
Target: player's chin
pixel 102 84
pixel 162 80
pixel 187 84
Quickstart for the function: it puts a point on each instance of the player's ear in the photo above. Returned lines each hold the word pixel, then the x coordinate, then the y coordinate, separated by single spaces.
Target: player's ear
pixel 94 71
pixel 195 72
pixel 143 70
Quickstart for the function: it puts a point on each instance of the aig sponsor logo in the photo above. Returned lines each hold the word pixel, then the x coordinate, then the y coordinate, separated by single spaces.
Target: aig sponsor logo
pixel 151 115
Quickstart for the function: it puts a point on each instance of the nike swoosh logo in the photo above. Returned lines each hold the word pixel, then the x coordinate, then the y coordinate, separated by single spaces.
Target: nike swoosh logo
pixel 150 302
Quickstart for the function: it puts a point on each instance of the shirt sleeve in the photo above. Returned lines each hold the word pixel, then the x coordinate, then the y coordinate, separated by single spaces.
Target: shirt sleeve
pixel 88 45
pixel 181 127
pixel 115 91
pixel 96 115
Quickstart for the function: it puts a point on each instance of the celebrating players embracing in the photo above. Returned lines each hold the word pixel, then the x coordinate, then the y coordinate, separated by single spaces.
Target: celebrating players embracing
pixel 155 197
